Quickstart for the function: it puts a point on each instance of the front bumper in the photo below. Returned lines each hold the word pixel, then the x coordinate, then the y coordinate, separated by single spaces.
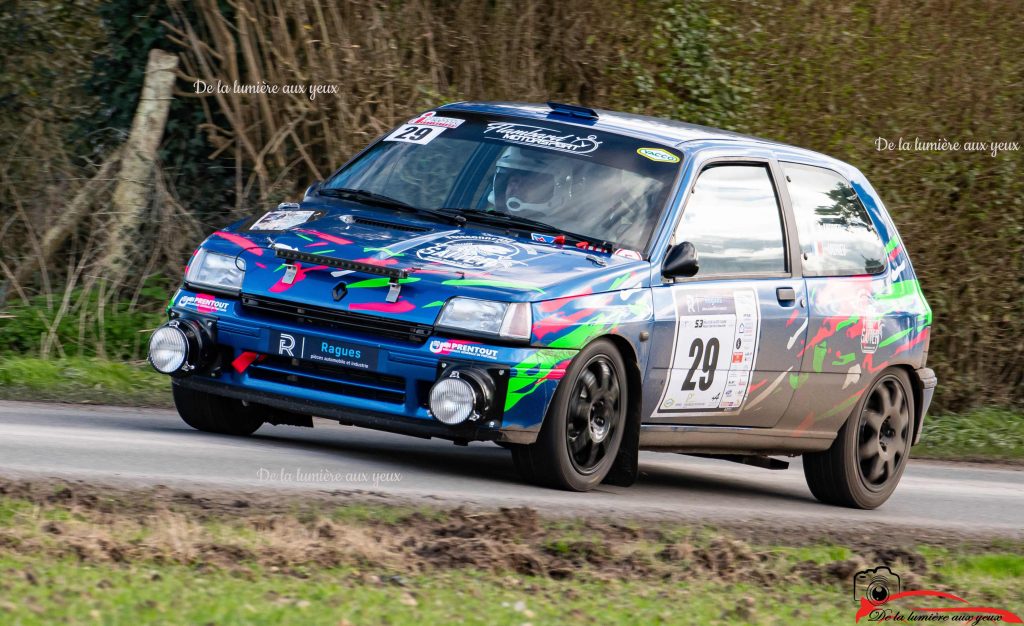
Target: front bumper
pixel 391 393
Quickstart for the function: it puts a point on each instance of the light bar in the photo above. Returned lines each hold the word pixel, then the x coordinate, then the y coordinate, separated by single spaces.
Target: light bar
pixel 344 264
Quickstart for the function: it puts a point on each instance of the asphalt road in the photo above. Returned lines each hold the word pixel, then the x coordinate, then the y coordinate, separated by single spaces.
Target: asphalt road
pixel 132 447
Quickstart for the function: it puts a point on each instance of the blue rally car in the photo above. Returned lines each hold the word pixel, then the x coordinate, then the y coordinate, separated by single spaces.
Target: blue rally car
pixel 575 285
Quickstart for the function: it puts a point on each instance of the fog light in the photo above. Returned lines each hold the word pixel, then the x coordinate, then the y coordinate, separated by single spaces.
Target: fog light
pixel 180 347
pixel 462 393
pixel 168 349
pixel 452 400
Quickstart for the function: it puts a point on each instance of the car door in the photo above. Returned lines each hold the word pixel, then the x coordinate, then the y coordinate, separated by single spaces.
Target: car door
pixel 846 270
pixel 726 340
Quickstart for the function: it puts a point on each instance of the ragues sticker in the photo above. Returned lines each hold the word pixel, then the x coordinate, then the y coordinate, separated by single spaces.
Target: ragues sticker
pixel 658 154
pixel 281 220
pixel 471 252
pixel 542 137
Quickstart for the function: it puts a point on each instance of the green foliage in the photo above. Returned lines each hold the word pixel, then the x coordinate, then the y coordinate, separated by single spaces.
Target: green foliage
pixel 119 332
pixel 987 434
pixel 131 28
pixel 835 77
pixel 41 67
pixel 830 77
pixel 678 67
pixel 82 380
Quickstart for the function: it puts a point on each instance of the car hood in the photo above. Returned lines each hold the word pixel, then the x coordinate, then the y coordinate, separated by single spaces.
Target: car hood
pixel 441 261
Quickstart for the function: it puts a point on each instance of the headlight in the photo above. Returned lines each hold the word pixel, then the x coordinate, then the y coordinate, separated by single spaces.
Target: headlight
pixel 507 320
pixel 220 271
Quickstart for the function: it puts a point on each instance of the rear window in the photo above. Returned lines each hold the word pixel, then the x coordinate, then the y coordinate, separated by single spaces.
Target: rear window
pixel 837 237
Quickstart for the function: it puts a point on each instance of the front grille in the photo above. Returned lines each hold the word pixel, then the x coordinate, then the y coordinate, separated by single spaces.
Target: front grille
pixel 342 320
pixel 330 378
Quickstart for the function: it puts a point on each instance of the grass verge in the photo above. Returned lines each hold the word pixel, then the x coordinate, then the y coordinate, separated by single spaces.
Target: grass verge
pixel 84 380
pixel 76 554
pixel 982 435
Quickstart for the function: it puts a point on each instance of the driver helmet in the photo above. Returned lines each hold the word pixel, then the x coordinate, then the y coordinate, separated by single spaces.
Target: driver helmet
pixel 531 180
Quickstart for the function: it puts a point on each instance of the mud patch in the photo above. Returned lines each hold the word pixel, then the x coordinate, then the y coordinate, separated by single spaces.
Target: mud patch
pixel 299 535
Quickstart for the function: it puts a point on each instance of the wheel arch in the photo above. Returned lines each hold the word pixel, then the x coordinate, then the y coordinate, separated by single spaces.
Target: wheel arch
pixel 626 468
pixel 917 388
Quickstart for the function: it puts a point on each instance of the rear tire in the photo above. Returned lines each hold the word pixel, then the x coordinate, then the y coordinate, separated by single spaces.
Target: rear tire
pixel 216 414
pixel 870 452
pixel 583 429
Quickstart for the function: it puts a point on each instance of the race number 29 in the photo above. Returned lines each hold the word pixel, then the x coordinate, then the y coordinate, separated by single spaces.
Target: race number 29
pixel 415 133
pixel 715 346
pixel 707 360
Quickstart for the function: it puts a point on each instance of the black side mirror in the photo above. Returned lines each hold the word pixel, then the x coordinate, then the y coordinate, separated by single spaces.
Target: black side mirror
pixel 681 261
pixel 311 190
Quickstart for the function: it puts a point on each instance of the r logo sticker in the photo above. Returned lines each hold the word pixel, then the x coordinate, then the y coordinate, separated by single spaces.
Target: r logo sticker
pixel 286 345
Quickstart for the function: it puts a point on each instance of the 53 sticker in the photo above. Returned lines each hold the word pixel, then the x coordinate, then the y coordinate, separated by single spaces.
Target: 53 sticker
pixel 717 332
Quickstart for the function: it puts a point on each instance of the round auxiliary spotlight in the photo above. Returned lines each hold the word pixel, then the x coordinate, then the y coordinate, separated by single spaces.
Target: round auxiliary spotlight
pixel 178 347
pixel 168 349
pixel 452 400
pixel 460 395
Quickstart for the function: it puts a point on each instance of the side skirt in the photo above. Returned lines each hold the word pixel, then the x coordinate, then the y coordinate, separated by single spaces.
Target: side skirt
pixel 730 440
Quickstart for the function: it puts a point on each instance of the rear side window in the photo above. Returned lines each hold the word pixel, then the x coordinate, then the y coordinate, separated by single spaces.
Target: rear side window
pixel 733 220
pixel 837 237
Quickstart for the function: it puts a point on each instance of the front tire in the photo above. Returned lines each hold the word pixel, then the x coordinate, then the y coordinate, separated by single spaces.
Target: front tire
pixel 216 414
pixel 868 456
pixel 582 432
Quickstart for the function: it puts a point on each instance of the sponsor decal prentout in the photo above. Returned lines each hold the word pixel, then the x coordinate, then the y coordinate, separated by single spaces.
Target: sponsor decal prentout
pixel 466 348
pixel 203 303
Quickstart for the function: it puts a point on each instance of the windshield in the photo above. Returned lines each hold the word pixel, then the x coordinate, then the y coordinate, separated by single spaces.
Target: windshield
pixel 600 185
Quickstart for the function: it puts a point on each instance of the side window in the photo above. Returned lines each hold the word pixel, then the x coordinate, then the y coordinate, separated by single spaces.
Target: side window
pixel 732 218
pixel 837 237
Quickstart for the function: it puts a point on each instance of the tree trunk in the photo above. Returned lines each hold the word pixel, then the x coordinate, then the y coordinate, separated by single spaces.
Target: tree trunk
pixel 131 196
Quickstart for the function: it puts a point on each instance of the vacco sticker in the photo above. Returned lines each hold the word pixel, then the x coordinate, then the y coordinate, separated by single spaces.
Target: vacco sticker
pixel 658 154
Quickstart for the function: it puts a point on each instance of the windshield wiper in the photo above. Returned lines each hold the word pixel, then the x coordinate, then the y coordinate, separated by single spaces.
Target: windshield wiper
pixel 525 223
pixel 368 197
